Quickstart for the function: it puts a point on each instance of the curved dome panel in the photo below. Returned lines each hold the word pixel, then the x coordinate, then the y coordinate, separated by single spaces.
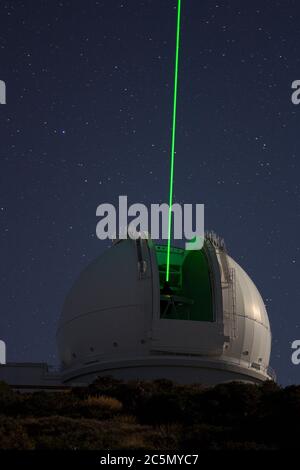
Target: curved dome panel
pixel 250 301
pixel 252 344
pixel 106 313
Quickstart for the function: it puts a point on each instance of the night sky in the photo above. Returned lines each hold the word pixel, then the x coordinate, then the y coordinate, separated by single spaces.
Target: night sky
pixel 88 118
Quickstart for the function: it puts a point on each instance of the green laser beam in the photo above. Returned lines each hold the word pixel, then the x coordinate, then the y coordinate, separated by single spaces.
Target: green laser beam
pixel 173 138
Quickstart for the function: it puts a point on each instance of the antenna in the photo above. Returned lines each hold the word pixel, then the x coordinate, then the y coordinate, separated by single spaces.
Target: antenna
pixel 173 138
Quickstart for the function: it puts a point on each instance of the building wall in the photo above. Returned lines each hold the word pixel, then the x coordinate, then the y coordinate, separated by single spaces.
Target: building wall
pixel 28 374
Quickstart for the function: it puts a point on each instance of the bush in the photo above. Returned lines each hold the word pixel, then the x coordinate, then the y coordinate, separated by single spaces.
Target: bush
pixel 160 408
pixel 100 407
pixel 13 435
pixel 167 437
pixel 5 390
pixel 10 401
pixel 204 437
pixel 48 404
pixel 58 432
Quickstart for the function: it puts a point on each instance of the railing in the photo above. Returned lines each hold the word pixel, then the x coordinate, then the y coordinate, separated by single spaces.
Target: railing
pixel 229 287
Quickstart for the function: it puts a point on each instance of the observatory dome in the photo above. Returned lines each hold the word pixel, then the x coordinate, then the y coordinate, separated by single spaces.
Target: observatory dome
pixel 208 324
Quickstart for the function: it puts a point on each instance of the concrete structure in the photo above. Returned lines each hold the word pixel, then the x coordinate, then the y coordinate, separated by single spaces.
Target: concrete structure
pixel 30 376
pixel 207 325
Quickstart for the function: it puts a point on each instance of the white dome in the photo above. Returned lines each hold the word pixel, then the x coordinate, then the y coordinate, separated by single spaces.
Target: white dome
pixel 113 321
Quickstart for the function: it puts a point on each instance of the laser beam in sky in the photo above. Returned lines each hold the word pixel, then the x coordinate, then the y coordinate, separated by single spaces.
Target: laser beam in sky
pixel 173 137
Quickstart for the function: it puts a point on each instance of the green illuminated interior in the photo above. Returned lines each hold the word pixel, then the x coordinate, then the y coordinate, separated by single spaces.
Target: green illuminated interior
pixel 188 294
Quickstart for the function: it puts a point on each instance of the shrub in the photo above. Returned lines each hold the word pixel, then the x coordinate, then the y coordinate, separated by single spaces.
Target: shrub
pixel 204 437
pixel 167 437
pixel 5 390
pixel 48 404
pixel 13 435
pixel 100 407
pixel 10 401
pixel 108 403
pixel 58 432
pixel 160 408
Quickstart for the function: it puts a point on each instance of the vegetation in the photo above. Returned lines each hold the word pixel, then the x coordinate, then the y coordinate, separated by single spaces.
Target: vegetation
pixel 158 415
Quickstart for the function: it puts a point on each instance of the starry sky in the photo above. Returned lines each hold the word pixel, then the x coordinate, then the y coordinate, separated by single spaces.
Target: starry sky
pixel 88 118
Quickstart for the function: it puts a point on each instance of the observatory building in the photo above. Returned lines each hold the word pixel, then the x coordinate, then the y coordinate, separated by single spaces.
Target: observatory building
pixel 208 324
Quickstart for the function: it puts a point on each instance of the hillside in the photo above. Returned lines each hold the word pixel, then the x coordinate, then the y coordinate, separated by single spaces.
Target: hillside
pixel 155 415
